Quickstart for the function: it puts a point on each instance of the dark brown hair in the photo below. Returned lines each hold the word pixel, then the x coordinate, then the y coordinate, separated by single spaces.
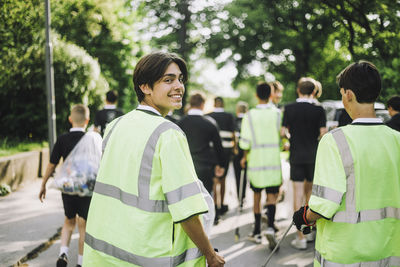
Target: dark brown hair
pixel 363 79
pixel 152 67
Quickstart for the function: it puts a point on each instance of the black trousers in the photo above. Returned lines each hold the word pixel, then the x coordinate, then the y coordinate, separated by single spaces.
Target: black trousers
pixel 237 168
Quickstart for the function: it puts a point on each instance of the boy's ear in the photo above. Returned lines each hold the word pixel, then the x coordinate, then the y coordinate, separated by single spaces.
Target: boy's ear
pixel 350 95
pixel 70 119
pixel 145 89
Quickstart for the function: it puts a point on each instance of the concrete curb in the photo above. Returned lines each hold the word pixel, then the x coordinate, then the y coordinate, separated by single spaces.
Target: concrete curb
pixel 35 252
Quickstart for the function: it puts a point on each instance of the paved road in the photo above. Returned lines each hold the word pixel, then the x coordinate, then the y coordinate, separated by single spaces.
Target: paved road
pixel 25 228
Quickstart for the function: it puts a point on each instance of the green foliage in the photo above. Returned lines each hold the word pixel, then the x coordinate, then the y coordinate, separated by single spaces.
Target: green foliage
pixel 103 29
pixel 95 32
pixel 5 189
pixel 77 80
pixel 12 146
pixel 287 37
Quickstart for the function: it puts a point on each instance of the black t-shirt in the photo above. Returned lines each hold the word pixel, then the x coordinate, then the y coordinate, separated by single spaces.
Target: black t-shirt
pixel 304 121
pixel 394 122
pixel 64 145
pixel 200 132
pixel 226 123
pixel 105 116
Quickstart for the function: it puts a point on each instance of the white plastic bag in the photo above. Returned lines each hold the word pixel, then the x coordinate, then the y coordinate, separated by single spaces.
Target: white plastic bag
pixel 78 173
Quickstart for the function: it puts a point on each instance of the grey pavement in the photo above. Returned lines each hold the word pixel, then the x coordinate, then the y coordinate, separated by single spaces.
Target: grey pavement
pixel 26 223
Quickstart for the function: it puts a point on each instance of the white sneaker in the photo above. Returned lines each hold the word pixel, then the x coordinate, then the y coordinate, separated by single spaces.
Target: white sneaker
pixel 299 243
pixel 310 237
pixel 270 234
pixel 256 238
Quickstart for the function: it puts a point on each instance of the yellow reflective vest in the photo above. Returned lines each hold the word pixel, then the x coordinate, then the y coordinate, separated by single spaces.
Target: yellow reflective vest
pixel 357 189
pixel 146 185
pixel 260 135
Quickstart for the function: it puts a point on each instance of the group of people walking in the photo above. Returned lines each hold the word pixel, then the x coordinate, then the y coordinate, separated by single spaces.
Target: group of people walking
pixel 161 185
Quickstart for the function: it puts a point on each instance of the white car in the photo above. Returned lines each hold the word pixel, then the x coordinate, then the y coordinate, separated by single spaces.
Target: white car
pixel 334 109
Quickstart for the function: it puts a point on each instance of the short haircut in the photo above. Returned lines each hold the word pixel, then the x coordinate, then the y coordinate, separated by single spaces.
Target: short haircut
pixel 218 101
pixel 242 107
pixel 263 91
pixel 112 96
pixel 151 69
pixel 79 113
pixel 197 99
pixel 363 79
pixel 394 102
pixel 306 85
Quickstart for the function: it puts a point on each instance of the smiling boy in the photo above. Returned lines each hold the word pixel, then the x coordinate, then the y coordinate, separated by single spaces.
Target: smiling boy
pixel 147 199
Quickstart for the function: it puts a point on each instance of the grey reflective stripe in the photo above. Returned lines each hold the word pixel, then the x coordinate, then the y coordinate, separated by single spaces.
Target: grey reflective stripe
pixel 369 215
pixel 389 261
pixel 327 193
pixel 109 249
pixel 265 145
pixel 146 164
pixel 350 215
pixel 131 199
pixel 264 168
pixel 182 192
pixel 225 134
pixel 188 255
pixel 227 144
pixel 253 134
pixel 278 121
pixel 105 141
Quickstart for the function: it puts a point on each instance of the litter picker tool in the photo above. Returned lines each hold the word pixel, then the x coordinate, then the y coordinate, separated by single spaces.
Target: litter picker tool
pixel 239 208
pixel 277 245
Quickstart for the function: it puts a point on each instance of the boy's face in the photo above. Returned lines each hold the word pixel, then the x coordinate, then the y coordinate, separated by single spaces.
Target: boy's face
pixel 276 95
pixel 167 93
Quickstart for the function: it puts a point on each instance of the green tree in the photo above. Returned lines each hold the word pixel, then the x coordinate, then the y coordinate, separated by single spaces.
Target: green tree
pixel 23 110
pixel 105 29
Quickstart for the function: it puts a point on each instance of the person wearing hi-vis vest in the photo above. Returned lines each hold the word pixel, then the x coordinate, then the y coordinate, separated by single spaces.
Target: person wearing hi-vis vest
pixel 355 199
pixel 259 138
pixel 148 206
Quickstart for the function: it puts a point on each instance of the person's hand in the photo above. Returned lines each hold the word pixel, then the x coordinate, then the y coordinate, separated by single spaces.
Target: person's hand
pixel 219 171
pixel 300 220
pixel 42 193
pixel 286 146
pixel 243 162
pixel 215 260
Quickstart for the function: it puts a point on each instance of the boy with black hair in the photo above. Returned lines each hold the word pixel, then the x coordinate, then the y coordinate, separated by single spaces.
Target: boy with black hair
pixel 393 106
pixel 355 199
pixel 204 141
pixel 259 138
pixel 303 123
pixel 108 113
pixel 75 207
pixel 226 125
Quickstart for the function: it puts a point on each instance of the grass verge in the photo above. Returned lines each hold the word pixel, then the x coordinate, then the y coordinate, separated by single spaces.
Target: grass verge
pixel 11 147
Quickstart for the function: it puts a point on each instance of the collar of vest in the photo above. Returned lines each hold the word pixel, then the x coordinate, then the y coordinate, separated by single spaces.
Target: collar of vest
pixel 367 121
pixel 149 112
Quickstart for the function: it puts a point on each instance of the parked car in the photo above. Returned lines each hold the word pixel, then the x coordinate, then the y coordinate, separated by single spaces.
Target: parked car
pixel 336 115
